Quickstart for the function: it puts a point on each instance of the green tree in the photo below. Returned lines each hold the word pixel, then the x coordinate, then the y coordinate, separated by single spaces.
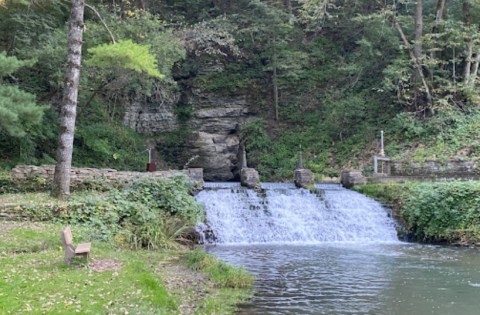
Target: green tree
pixel 18 109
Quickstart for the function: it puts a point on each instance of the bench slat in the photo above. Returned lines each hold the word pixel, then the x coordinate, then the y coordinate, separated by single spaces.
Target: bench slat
pixel 83 248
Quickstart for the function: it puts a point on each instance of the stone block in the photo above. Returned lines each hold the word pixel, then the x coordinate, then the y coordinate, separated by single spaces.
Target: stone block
pixel 303 178
pixel 350 178
pixel 249 178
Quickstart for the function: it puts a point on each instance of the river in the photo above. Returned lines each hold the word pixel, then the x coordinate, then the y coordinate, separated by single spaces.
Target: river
pixel 355 278
pixel 333 251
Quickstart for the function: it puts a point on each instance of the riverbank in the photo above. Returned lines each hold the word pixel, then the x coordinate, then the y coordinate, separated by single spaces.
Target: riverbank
pixel 34 278
pixel 141 258
pixel 433 212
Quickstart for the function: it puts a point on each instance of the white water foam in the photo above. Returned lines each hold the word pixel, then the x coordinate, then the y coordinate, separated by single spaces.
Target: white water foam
pixel 283 214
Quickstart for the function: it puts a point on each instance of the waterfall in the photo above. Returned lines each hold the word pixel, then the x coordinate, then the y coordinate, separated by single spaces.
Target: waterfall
pixel 281 213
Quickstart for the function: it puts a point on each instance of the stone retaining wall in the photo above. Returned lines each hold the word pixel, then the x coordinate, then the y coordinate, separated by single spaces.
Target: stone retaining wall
pixel 435 168
pixel 82 176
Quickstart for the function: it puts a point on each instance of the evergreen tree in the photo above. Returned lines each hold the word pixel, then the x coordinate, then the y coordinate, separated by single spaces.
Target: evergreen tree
pixel 18 109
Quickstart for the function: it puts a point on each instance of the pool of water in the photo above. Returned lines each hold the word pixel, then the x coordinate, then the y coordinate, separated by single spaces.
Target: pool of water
pixel 353 278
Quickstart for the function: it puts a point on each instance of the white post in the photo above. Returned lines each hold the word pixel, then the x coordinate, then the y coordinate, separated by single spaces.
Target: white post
pixel 382 151
pixel 149 155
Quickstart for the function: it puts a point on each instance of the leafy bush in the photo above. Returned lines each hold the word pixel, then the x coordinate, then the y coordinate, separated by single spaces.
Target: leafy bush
pixel 6 183
pixel 152 213
pixel 443 211
pixel 434 212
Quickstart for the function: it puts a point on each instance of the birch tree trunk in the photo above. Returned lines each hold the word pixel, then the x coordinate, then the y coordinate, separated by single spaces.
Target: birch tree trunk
pixel 61 181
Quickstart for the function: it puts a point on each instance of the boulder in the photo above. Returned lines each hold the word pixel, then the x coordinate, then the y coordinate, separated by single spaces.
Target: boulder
pixel 350 178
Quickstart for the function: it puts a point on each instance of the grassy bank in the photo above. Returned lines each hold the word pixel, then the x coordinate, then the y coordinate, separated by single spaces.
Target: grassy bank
pixel 34 278
pixel 441 212
pixel 140 263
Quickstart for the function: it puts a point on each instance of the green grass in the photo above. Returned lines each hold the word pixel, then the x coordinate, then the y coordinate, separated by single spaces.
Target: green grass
pixel 223 302
pixel 35 280
pixel 222 274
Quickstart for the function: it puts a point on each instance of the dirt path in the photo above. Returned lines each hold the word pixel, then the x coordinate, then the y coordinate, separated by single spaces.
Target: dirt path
pixel 190 285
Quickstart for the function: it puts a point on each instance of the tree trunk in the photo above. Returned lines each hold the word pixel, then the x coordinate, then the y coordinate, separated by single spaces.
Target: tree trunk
pixel 416 64
pixel 438 19
pixel 468 58
pixel 473 76
pixel 466 12
pixel 288 6
pixel 61 181
pixel 468 63
pixel 417 46
pixel 275 78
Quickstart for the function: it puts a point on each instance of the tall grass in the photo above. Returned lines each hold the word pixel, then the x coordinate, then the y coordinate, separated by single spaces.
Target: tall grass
pixel 219 272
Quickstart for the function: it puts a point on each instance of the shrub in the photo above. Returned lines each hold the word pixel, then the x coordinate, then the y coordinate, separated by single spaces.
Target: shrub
pixel 434 212
pixel 151 213
pixel 443 211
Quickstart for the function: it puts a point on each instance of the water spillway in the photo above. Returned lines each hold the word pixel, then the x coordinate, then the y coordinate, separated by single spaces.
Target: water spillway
pixel 281 213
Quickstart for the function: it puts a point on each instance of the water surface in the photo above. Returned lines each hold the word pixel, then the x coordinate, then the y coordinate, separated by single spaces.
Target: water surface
pixel 359 278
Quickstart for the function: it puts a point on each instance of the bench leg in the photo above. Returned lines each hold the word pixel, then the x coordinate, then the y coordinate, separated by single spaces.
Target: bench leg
pixel 68 258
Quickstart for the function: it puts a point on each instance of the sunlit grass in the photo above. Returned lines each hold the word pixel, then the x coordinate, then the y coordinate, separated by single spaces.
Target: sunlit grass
pixel 35 280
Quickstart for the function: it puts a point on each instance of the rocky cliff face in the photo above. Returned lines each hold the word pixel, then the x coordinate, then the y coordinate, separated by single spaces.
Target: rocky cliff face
pixel 150 117
pixel 215 120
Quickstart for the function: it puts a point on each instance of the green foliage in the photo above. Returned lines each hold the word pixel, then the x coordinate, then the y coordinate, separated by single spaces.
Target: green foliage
pixel 172 147
pixel 219 272
pixel 169 195
pixel 443 211
pixel 109 145
pixel 9 65
pixel 125 54
pixel 343 74
pixel 150 213
pixel 434 212
pixel 448 135
pixel 18 110
pixel 6 183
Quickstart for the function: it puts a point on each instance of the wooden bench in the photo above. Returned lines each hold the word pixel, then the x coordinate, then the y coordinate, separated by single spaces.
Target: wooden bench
pixel 70 250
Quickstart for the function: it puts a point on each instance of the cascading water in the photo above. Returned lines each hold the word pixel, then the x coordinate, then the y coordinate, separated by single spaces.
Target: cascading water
pixel 281 213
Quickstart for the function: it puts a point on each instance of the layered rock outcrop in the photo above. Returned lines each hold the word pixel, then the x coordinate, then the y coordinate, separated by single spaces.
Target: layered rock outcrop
pixel 150 116
pixel 215 117
pixel 216 121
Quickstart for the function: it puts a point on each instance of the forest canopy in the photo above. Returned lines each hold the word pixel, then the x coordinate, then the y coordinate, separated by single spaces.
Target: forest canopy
pixel 327 74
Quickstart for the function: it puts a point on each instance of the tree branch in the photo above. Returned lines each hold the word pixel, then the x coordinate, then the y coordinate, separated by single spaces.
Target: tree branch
pixel 103 22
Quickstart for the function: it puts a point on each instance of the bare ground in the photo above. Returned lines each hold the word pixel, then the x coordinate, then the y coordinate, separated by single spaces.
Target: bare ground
pixel 192 286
